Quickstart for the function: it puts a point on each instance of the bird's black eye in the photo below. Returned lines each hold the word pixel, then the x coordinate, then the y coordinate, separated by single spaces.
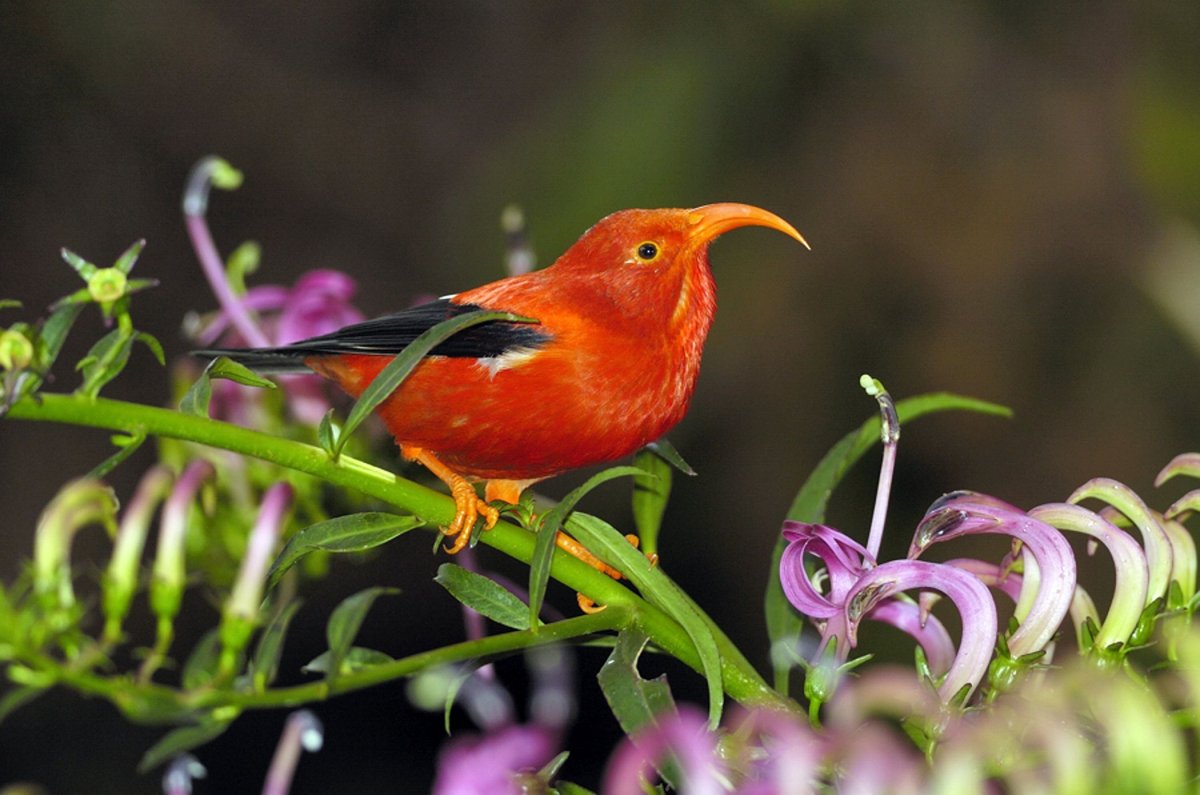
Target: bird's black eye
pixel 647 251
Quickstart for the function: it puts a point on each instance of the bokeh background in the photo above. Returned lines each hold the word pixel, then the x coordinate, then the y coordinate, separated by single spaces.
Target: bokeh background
pixel 1002 199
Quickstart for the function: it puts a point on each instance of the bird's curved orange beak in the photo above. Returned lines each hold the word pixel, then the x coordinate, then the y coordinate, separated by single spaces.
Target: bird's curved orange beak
pixel 716 219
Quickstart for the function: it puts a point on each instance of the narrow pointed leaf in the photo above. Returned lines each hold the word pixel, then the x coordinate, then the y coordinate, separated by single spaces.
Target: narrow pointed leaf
pixel 483 595
pixel 264 666
pixel 635 702
pixel 356 532
pixel 606 543
pixel 650 494
pixel 151 342
pixel 543 549
pixel 667 452
pixel 345 621
pixel 16 698
pixel 126 446
pixel 356 659
pixel 198 397
pixel 390 378
pixel 201 664
pixel 127 260
pixel 179 740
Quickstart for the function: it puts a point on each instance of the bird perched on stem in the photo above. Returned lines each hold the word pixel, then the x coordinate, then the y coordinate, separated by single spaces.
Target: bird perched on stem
pixel 609 365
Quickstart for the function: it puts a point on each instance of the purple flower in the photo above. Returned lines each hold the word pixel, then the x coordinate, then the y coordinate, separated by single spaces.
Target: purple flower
pixel 266 315
pixel 490 763
pixel 1048 581
pixel 507 756
pixel 763 752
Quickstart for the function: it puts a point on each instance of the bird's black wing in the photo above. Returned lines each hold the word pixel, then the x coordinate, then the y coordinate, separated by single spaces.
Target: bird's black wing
pixel 390 334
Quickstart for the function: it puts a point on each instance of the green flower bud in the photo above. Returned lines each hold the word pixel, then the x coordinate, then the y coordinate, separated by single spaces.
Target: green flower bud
pixel 16 351
pixel 107 285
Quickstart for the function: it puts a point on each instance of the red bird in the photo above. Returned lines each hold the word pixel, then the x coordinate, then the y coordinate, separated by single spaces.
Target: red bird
pixel 609 367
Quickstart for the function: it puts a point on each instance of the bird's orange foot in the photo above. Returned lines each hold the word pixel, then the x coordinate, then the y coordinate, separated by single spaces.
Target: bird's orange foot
pixel 468 507
pixel 573 547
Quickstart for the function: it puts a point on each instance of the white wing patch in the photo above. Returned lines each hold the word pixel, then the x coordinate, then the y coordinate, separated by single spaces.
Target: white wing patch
pixel 513 357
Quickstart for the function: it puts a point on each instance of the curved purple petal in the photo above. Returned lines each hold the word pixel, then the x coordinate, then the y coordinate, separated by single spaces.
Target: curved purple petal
pixel 969 595
pixel 485 764
pixel 791 753
pixel 844 558
pixel 925 629
pixel 966 513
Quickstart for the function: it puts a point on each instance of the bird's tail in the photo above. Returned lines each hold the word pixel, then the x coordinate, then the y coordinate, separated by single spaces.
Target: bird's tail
pixel 266 361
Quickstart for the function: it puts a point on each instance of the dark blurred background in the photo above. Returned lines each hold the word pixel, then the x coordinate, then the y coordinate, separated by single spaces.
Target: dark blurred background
pixel 1001 198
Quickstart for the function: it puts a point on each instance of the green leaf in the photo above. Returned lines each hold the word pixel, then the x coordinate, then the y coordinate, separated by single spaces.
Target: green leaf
pixel 198 397
pixel 356 659
pixel 9 303
pixel 105 361
pixel 328 433
pixel 16 698
pixel 356 532
pixel 55 330
pixel 177 741
pixel 126 446
pixel 635 702
pixel 345 621
pixel 201 665
pixel 483 595
pixel 264 666
pixel 809 505
pixel 569 788
pixel 543 548
pixel 667 452
pixel 151 342
pixel 390 378
pixel 610 546
pixel 224 367
pixel 650 494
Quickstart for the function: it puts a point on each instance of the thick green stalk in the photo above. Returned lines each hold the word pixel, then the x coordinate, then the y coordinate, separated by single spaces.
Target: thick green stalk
pixel 740 679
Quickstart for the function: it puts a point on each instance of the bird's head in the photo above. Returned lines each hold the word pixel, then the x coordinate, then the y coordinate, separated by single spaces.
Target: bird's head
pixel 663 240
pixel 660 257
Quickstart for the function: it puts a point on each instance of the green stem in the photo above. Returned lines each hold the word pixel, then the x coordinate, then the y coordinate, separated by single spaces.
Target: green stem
pixel 740 680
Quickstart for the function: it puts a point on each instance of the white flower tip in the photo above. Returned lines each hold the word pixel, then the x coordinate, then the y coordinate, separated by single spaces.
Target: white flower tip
pixel 312 732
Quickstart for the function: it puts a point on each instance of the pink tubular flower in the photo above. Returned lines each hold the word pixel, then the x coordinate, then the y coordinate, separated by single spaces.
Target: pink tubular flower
pixel 266 315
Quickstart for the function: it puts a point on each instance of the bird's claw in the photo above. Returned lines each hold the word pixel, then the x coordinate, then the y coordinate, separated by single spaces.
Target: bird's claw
pixel 468 508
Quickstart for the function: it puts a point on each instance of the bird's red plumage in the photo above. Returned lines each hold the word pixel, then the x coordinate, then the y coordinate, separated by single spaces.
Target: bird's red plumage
pixel 618 371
